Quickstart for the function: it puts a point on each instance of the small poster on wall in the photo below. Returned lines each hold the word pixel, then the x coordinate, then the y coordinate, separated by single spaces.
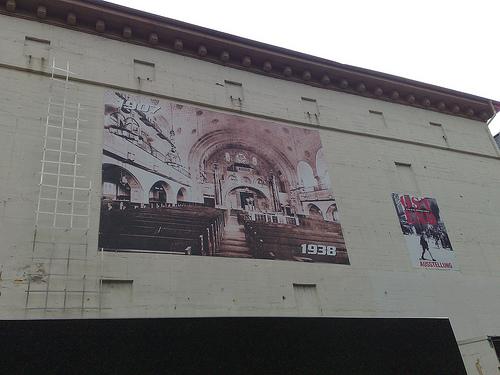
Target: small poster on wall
pixel 424 232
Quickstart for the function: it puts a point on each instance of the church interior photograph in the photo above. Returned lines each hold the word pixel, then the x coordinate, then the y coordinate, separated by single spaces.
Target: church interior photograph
pixel 182 179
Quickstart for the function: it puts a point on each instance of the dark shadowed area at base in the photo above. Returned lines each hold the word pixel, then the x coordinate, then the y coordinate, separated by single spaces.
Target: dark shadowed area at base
pixel 230 346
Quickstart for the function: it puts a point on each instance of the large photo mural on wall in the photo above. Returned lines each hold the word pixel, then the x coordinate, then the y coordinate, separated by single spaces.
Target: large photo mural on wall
pixel 182 179
pixel 424 231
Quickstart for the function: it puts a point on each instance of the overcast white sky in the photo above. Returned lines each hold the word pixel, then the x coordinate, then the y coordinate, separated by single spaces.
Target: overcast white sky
pixel 447 43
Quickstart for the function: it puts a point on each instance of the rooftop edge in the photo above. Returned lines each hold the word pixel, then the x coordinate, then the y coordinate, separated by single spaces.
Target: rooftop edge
pixel 134 26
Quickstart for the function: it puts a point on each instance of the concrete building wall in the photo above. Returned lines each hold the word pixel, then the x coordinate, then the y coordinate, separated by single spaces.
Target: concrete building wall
pixel 453 160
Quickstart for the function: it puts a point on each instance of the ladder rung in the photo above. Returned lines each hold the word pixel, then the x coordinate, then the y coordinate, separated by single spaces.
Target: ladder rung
pixel 66 118
pixel 62 175
pixel 64 200
pixel 67 140
pixel 61 242
pixel 55 118
pixel 60 213
pixel 66 187
pixel 48 308
pixel 61 290
pixel 84 229
pixel 79 119
pixel 67 104
pixel 82 259
pixel 59 162
pixel 65 70
pixel 68 152
pixel 59 80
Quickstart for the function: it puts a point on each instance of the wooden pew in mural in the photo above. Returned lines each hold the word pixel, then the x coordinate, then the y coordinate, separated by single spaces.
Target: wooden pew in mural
pixel 187 229
pixel 209 220
pixel 290 242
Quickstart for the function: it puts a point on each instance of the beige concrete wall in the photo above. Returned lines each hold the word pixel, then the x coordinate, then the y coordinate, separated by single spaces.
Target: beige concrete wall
pixel 461 172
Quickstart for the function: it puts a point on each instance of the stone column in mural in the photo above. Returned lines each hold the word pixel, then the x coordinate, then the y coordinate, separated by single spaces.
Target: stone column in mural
pixel 274 193
pixel 318 182
pixel 218 200
pixel 321 182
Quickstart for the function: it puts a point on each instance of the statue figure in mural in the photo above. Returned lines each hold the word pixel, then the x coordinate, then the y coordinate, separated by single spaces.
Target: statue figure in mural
pixel 425 247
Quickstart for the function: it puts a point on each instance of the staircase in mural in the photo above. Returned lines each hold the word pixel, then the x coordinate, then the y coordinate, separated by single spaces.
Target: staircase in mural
pixel 234 243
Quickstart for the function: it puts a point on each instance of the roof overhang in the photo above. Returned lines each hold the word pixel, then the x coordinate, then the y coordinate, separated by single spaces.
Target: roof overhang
pixel 133 26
